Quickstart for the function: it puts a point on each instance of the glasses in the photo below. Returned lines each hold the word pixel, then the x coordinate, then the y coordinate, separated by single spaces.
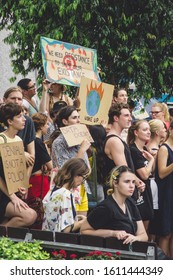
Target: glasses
pixel 84 177
pixel 155 113
pixel 31 87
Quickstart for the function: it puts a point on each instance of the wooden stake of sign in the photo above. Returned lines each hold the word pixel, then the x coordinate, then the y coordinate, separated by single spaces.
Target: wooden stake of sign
pixel 14 164
pixel 75 134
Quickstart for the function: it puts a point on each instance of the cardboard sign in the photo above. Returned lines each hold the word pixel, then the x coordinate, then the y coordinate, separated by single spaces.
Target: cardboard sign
pixel 75 134
pixel 65 63
pixel 96 99
pixel 14 164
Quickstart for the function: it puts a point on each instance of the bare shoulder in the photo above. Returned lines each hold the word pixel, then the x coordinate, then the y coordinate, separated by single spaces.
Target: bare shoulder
pixel 162 152
pixel 114 140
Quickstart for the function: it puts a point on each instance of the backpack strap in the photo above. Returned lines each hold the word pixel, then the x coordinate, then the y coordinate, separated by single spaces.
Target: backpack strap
pixel 4 137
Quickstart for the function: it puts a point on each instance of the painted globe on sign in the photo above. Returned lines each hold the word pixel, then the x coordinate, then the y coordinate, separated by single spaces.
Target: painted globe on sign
pixel 92 103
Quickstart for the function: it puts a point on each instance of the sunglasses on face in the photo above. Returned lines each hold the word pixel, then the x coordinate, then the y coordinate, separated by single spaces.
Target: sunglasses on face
pixel 31 87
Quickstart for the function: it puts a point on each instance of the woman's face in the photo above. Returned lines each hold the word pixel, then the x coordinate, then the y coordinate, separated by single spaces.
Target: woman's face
pixel 45 128
pixel 18 122
pixel 74 118
pixel 55 88
pixel 126 185
pixel 162 132
pixel 143 133
pixel 157 113
pixel 79 179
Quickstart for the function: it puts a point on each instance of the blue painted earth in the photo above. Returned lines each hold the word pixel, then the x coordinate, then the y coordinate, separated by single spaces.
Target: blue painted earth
pixel 92 103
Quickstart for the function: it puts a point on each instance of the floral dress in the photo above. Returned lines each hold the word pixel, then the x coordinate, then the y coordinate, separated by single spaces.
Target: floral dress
pixel 58 210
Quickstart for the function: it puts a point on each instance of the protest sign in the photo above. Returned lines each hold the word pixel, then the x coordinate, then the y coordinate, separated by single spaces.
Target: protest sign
pixel 14 164
pixel 139 111
pixel 65 63
pixel 75 134
pixel 96 99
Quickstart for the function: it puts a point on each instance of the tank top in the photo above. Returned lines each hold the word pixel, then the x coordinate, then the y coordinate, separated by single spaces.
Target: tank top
pixel 109 163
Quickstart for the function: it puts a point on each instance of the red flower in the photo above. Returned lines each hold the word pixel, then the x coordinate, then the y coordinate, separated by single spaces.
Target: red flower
pixel 73 256
pixel 108 254
pixel 54 253
pixel 94 253
pixel 63 253
pixel 117 253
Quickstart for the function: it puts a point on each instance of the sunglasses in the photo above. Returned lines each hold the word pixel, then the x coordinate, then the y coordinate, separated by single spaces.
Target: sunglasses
pixel 31 87
pixel 84 177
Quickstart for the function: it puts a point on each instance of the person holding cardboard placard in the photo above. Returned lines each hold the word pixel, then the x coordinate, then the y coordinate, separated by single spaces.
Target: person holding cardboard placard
pixel 61 152
pixel 52 93
pixel 27 134
pixel 16 212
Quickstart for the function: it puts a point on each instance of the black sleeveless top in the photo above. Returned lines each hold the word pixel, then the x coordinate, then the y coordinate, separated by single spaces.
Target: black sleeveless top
pixel 109 163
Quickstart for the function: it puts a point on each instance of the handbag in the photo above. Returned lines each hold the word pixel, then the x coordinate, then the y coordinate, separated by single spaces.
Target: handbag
pixel 37 204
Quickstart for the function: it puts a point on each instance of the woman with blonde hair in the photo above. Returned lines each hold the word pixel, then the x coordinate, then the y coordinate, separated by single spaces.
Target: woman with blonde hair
pixel 160 111
pixel 138 135
pixel 117 215
pixel 158 136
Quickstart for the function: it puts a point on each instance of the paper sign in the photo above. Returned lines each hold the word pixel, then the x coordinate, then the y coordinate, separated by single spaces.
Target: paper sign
pixel 75 134
pixel 139 112
pixel 14 164
pixel 96 99
pixel 65 63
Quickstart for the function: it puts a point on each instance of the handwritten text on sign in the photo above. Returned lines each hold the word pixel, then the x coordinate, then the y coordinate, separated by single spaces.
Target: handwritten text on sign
pixel 14 164
pixel 66 63
pixel 75 134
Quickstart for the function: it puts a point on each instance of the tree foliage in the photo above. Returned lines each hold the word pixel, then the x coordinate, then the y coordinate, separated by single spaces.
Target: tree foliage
pixel 133 38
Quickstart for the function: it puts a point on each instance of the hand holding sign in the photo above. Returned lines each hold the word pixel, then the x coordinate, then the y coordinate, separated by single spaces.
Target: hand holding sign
pixel 14 165
pixel 75 134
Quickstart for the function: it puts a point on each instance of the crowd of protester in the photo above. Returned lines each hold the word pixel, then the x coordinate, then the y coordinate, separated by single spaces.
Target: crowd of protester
pixel 133 160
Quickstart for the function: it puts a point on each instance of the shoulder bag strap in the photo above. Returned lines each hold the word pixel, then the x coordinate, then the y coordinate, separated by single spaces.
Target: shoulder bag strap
pixel 4 137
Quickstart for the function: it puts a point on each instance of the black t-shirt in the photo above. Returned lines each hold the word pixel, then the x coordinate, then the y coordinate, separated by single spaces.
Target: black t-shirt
pixel 28 133
pixel 108 215
pixel 146 208
pixel 41 155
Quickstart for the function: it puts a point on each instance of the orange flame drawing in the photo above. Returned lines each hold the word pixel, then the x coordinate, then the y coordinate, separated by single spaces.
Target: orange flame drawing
pixel 98 89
